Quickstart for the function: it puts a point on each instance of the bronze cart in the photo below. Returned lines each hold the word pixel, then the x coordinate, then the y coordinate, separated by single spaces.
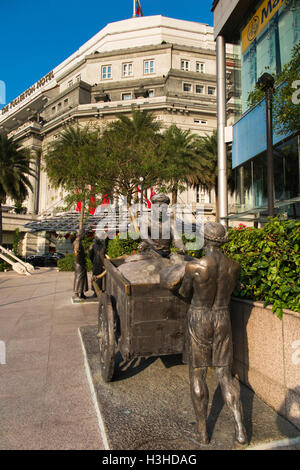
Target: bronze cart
pixel 137 320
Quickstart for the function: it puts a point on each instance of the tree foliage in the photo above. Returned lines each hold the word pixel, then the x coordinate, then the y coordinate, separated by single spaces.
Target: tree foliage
pixel 130 148
pixel 179 160
pixel 206 174
pixel 15 173
pixel 70 163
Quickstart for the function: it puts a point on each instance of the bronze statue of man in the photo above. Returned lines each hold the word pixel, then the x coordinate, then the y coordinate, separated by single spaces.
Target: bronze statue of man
pixel 165 225
pixel 80 279
pixel 209 283
pixel 97 256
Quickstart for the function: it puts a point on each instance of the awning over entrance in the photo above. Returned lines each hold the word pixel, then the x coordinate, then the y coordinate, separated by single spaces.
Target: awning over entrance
pixel 69 222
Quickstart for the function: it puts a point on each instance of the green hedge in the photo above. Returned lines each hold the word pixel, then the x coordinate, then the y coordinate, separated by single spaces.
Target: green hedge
pixel 270 262
pixel 67 263
pixel 4 266
pixel 118 247
pixel 269 258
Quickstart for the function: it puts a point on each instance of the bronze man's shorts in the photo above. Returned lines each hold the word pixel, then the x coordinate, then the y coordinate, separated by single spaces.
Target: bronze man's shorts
pixel 210 337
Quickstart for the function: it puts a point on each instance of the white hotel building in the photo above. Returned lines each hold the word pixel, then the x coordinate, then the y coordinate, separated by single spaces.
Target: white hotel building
pixel 164 65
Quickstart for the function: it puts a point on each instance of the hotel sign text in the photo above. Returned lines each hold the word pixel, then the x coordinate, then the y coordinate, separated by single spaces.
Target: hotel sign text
pixel 259 20
pixel 28 92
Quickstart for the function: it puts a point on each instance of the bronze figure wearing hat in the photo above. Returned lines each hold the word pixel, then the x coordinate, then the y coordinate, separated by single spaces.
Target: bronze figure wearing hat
pixel 208 283
pixel 164 224
pixel 80 278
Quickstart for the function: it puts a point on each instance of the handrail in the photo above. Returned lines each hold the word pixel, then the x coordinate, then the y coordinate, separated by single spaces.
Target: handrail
pixel 20 266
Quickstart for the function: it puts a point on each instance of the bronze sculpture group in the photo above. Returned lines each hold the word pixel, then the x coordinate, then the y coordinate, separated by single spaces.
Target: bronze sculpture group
pixel 206 284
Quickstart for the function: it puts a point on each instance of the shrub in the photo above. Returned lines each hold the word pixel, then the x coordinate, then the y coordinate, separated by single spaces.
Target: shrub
pixel 118 246
pixel 270 262
pixel 67 263
pixel 4 266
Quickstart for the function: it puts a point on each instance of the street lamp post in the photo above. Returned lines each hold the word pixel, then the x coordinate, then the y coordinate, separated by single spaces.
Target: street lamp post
pixel 266 84
pixel 142 192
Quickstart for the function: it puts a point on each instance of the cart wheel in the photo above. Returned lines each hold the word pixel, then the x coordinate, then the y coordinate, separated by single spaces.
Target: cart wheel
pixel 106 337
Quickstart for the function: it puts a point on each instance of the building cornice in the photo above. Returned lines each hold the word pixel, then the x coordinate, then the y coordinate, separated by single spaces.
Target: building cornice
pixel 178 104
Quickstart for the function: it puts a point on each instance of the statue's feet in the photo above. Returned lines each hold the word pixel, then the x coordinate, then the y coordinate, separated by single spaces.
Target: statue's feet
pixel 240 434
pixel 202 432
pixel 82 296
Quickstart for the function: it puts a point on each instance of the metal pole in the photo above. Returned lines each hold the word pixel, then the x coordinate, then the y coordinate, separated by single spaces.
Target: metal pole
pixel 134 9
pixel 142 194
pixel 270 160
pixel 221 116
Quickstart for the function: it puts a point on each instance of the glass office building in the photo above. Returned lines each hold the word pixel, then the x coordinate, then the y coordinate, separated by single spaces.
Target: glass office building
pixel 271 48
pixel 264 33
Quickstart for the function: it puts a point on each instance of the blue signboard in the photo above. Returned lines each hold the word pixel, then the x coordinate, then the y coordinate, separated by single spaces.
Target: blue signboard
pixel 250 135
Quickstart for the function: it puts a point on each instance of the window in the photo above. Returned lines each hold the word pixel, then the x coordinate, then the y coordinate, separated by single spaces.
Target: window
pixel 200 121
pixel 53 109
pixel 199 89
pixel 187 87
pixel 106 72
pixel 66 102
pixel 151 94
pixel 185 65
pixel 211 90
pixel 70 83
pixel 126 96
pixel 148 66
pixel 78 78
pixel 59 106
pixel 200 67
pixel 127 70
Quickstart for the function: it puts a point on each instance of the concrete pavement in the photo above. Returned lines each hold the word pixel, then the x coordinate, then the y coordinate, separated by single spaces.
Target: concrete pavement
pixel 45 395
pixel 45 401
pixel 148 406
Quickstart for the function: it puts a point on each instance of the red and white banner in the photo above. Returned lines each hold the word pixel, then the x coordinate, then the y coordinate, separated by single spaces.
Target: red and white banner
pixel 139 10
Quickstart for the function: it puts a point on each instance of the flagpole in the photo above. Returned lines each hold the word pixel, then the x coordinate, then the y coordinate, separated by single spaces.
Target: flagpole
pixel 134 9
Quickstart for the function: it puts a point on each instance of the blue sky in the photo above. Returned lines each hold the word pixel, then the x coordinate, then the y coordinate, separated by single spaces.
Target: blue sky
pixel 36 36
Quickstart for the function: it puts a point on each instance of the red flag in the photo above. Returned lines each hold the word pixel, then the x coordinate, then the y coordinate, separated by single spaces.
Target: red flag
pixel 152 193
pixel 139 10
pixel 145 199
pixel 105 200
pixel 92 207
pixel 78 207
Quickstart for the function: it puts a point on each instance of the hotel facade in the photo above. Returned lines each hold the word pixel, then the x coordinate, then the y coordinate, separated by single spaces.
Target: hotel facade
pixel 163 65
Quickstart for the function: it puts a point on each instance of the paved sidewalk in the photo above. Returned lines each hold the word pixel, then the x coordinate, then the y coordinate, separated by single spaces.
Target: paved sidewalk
pixel 45 400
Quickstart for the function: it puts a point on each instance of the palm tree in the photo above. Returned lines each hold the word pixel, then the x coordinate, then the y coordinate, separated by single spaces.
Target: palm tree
pixel 207 174
pixel 70 163
pixel 130 148
pixel 15 173
pixel 141 125
pixel 179 159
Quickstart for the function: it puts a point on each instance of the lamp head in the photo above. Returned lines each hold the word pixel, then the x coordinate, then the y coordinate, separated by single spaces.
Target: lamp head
pixel 265 82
